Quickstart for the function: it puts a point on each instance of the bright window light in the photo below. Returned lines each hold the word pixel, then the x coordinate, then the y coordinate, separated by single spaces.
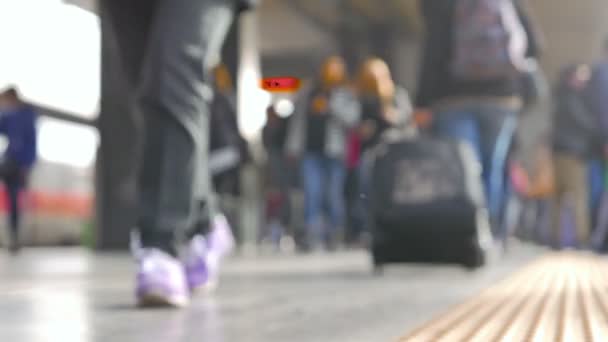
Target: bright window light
pixel 284 107
pixel 252 100
pixel 52 52
pixel 66 143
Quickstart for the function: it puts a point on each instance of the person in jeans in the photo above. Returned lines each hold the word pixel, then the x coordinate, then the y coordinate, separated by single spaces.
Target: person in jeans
pixel 598 103
pixel 168 48
pixel 18 124
pixel 318 135
pixel 483 110
pixel 574 133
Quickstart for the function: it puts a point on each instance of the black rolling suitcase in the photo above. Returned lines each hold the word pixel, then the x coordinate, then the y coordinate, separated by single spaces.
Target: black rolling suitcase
pixel 427 203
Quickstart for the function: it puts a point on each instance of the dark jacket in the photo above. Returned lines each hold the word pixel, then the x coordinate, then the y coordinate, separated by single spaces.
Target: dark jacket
pixel 223 123
pixel 435 82
pixel 245 5
pixel 575 128
pixel 371 110
pixel 343 114
pixel 274 134
pixel 19 126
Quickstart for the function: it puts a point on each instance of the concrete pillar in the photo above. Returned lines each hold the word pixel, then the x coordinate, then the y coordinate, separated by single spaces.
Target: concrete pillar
pixel 250 110
pixel 352 37
pixel 352 46
pixel 405 66
pixel 382 42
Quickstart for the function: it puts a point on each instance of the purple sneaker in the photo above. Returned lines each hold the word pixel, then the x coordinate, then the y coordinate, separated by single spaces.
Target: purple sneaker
pixel 161 280
pixel 204 255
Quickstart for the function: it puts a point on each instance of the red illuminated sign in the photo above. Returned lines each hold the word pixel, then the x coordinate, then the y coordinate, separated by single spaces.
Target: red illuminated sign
pixel 280 84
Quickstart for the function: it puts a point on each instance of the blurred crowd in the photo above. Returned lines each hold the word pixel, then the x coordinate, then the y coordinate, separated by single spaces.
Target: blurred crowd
pixel 542 151
pixel 317 151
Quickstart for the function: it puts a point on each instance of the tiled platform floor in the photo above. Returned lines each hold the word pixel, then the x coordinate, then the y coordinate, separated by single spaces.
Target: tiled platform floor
pixel 66 295
pixel 560 297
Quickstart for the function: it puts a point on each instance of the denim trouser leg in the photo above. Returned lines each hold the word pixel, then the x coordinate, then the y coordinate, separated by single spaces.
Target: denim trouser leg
pixel 12 175
pixel 489 130
pixel 461 125
pixel 279 177
pixel 335 175
pixel 497 127
pixel 13 190
pixel 183 38
pixel 313 184
pixel 596 188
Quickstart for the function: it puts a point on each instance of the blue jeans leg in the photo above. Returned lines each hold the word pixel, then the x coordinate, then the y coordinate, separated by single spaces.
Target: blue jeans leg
pixel 489 130
pixel 312 181
pixel 497 127
pixel 336 175
pixel 596 187
pixel 13 190
pixel 462 125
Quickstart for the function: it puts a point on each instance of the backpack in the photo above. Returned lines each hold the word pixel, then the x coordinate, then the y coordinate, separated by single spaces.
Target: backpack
pixel 489 41
pixel 426 202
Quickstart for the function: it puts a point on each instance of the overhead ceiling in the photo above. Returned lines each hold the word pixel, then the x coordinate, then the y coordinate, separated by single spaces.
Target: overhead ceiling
pixel 89 5
pixel 331 13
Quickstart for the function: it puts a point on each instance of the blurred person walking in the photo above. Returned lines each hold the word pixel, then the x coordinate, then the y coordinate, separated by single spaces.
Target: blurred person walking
pixel 229 151
pixel 228 147
pixel 168 48
pixel 325 113
pixel 274 136
pixel 531 171
pixel 18 124
pixel 597 96
pixel 353 238
pixel 474 53
pixel 574 132
pixel 383 106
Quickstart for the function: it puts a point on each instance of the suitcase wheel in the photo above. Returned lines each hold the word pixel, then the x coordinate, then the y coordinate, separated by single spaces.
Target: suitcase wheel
pixel 475 260
pixel 378 269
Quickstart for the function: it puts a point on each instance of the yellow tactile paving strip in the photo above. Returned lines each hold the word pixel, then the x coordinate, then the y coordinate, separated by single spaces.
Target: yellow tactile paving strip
pixel 560 297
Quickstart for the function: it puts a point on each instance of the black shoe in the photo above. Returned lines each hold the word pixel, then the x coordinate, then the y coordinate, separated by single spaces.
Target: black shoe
pixel 303 247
